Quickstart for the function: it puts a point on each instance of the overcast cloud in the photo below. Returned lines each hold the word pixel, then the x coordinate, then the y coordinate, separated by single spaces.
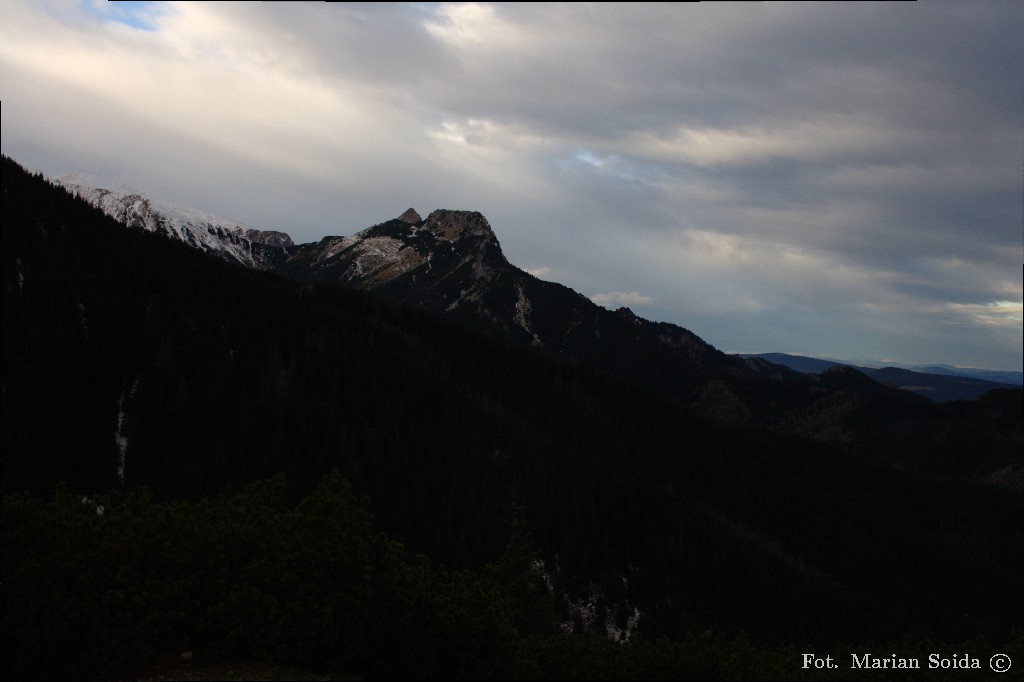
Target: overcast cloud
pixel 839 179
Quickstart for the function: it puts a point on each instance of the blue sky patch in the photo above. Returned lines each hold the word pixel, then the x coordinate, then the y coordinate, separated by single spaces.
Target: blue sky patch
pixel 135 14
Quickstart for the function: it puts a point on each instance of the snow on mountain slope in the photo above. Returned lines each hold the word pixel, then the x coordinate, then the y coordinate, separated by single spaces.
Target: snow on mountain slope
pixel 231 240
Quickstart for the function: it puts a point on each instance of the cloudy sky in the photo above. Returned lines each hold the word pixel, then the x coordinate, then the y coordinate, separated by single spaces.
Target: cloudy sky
pixel 827 179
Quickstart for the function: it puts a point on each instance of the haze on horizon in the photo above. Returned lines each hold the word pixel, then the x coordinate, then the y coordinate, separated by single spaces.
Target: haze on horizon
pixel 836 180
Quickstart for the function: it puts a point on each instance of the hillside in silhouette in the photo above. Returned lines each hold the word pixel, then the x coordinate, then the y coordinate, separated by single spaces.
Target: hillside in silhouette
pixel 131 360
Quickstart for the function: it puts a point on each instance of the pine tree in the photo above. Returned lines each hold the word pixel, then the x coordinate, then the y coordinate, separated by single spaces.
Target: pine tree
pixel 521 571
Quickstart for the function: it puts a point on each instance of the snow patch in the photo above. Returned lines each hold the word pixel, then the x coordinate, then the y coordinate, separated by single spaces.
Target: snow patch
pixel 381 259
pixel 85 324
pixel 120 437
pixel 336 246
pixel 522 315
pixel 197 228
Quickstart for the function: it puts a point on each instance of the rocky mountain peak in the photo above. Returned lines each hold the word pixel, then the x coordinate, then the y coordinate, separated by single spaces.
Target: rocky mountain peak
pixel 449 225
pixel 411 216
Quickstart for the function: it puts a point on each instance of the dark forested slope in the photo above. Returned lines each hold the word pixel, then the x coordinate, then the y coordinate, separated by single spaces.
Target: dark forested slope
pixel 451 264
pixel 132 360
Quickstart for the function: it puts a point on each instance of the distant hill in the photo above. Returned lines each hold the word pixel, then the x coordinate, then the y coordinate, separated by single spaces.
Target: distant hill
pixel 999 376
pixel 943 385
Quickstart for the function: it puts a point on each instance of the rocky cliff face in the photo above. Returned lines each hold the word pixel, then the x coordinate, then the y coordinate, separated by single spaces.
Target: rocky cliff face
pixel 436 263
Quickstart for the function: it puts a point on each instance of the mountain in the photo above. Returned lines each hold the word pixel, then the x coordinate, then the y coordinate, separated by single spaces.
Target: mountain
pixel 999 376
pixel 135 364
pixel 452 266
pixel 941 385
pixel 801 363
pixel 937 387
pixel 389 258
pixel 228 239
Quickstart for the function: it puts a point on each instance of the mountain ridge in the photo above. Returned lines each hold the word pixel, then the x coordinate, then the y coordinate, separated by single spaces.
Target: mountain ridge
pixel 378 257
pixel 226 238
pixel 461 275
pixel 451 265
pixel 940 386
pixel 138 209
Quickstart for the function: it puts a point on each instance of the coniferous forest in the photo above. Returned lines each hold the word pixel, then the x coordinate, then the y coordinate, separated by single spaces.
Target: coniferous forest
pixel 201 457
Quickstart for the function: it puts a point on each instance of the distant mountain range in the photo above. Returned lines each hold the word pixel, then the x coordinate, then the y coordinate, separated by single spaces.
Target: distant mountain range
pixel 940 383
